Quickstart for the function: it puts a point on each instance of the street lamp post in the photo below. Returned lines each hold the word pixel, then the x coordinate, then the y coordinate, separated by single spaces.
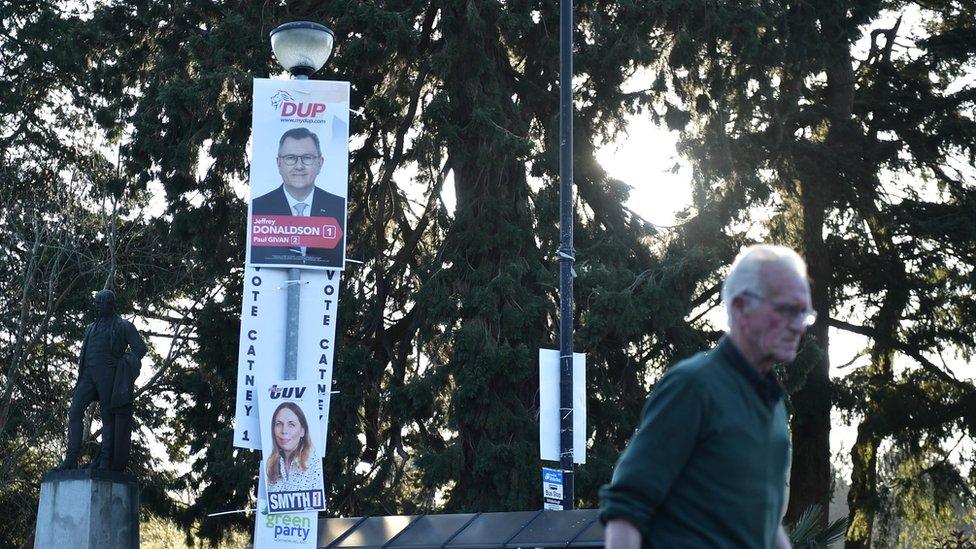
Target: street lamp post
pixel 566 254
pixel 301 48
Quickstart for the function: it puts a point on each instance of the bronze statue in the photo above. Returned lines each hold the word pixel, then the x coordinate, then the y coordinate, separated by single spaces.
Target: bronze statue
pixel 108 366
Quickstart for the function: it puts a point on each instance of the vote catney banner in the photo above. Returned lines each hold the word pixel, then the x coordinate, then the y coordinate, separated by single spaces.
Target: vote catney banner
pixel 291 447
pixel 261 355
pixel 299 174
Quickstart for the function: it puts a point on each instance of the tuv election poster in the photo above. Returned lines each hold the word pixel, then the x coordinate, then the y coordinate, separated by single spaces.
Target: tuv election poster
pixel 291 448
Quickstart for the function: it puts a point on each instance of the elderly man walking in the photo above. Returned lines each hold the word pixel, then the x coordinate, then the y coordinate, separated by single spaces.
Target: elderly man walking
pixel 708 465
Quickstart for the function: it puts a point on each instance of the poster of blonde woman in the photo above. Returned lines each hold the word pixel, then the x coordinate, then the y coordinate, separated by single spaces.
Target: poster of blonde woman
pixel 292 458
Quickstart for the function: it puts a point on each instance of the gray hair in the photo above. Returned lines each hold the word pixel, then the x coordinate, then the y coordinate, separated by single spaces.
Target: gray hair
pixel 298 134
pixel 746 274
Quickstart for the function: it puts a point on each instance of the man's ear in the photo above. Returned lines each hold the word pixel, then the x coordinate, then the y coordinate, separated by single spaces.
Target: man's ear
pixel 738 306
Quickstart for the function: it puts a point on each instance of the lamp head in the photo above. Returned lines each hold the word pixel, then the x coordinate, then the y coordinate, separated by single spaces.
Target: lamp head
pixel 302 47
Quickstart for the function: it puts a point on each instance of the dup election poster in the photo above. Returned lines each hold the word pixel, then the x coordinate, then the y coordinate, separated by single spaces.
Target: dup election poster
pixel 291 448
pixel 261 355
pixel 299 174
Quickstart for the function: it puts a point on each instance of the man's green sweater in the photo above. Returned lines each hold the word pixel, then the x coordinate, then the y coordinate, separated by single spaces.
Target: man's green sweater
pixel 707 466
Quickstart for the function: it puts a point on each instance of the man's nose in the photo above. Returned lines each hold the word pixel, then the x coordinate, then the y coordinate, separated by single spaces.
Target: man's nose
pixel 796 324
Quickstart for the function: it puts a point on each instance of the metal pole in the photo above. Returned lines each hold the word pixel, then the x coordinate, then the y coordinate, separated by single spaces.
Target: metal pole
pixel 566 257
pixel 294 303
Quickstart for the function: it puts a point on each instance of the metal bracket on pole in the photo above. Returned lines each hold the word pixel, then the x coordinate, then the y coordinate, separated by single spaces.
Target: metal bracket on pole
pixel 568 257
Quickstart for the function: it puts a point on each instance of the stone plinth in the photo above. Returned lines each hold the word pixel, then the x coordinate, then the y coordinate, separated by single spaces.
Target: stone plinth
pixel 88 509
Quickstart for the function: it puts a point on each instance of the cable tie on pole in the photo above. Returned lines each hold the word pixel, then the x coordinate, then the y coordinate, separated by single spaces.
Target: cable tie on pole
pixel 571 258
pixel 231 512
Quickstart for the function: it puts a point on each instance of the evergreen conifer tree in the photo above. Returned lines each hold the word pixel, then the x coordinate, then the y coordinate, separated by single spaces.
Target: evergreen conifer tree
pixel 861 159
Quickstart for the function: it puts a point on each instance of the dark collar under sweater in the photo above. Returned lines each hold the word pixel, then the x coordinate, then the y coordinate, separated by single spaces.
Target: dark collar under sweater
pixel 767 386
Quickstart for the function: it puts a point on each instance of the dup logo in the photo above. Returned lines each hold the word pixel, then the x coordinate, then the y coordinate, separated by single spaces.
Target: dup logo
pixel 285 104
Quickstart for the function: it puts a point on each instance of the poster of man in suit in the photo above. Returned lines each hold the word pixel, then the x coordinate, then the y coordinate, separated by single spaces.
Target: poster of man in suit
pixel 299 173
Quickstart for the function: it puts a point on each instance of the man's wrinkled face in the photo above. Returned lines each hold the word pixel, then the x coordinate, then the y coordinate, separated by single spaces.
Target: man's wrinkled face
pixel 299 163
pixel 773 324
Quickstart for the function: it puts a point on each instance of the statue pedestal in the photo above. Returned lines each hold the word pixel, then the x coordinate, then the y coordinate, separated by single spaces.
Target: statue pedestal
pixel 88 509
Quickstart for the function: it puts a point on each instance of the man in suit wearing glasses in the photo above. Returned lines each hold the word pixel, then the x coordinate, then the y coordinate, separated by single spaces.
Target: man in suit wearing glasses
pixel 299 162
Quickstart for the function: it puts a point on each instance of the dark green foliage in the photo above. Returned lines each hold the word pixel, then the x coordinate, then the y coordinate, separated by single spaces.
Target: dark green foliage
pixel 790 139
pixel 864 161
pixel 442 325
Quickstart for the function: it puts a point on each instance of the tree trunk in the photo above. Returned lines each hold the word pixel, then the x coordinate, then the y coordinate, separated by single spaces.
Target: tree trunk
pixel 494 268
pixel 863 495
pixel 810 424
pixel 810 473
pixel 863 499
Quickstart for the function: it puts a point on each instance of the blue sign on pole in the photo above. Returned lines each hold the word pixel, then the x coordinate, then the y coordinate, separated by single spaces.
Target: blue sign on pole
pixel 552 489
pixel 554 476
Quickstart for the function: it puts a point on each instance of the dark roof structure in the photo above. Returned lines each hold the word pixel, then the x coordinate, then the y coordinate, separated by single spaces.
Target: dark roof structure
pixel 549 529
